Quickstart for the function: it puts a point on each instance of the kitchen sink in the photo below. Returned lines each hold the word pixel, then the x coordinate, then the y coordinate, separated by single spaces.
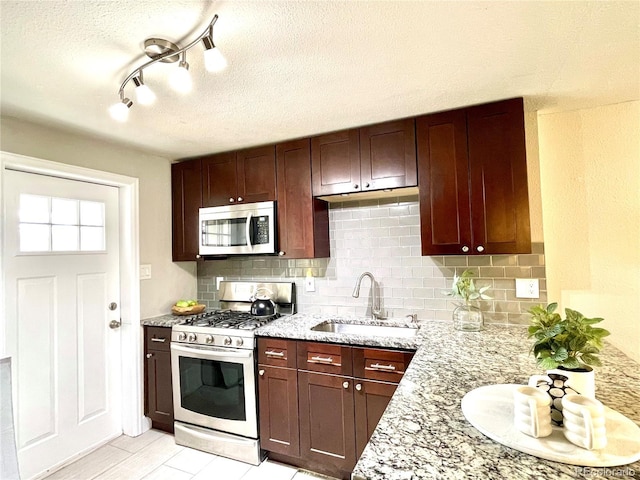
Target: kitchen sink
pixel 365 329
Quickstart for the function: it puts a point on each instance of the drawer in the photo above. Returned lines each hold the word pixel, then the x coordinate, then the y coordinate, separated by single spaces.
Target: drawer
pixel 324 357
pixel 157 338
pixel 377 364
pixel 277 352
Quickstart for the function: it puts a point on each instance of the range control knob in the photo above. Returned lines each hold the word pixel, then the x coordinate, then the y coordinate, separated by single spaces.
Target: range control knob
pixel 192 337
pixel 227 340
pixel 182 336
pixel 239 341
pixel 208 339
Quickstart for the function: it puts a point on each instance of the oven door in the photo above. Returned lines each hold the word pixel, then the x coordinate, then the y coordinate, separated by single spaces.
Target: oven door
pixel 215 388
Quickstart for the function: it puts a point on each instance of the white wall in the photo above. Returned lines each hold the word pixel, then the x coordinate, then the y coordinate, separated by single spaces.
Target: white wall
pixel 170 281
pixel 590 171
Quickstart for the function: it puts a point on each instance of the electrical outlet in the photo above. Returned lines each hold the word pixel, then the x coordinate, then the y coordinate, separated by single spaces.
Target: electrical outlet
pixel 527 288
pixel 309 284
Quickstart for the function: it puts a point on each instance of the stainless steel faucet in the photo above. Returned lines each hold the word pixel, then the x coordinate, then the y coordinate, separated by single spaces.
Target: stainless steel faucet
pixel 376 312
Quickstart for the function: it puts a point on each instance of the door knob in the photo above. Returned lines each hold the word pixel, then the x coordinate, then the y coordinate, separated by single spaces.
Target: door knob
pixel 113 324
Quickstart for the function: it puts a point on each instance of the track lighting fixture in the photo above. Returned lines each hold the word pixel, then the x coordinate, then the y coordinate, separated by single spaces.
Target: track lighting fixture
pixel 161 50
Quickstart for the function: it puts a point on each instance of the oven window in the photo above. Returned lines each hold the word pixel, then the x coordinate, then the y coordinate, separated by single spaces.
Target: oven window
pixel 224 233
pixel 212 388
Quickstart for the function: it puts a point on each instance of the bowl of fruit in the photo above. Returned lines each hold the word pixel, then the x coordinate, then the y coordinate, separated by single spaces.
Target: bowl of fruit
pixel 187 307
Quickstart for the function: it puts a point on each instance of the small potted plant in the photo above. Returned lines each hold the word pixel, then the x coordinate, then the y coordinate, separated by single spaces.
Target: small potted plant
pixel 467 316
pixel 568 346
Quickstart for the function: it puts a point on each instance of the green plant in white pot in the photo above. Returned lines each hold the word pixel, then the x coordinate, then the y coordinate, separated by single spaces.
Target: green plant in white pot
pixel 467 317
pixel 568 346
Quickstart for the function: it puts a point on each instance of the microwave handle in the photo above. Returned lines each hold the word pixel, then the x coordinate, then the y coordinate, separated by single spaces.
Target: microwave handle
pixel 248 230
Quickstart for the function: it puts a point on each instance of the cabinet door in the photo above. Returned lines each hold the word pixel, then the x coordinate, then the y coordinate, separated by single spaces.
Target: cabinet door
pixel 443 170
pixel 371 399
pixel 303 222
pixel 219 179
pixel 498 173
pixel 336 163
pixel 388 155
pixel 278 408
pixel 327 419
pixel 186 199
pixel 256 170
pixel 158 384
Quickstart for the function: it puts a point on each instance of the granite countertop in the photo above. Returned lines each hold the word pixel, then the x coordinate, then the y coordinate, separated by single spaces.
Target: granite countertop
pixel 168 320
pixel 423 432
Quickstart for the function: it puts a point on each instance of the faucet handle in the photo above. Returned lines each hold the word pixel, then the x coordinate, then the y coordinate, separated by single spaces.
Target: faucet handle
pixel 413 317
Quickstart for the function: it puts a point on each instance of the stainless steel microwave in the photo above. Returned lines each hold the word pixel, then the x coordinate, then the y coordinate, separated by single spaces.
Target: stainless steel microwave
pixel 239 229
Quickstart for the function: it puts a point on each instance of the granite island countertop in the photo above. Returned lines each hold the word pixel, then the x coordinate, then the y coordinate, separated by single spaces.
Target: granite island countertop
pixel 423 433
pixel 168 320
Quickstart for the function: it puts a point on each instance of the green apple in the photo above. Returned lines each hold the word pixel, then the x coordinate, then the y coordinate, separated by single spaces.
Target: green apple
pixel 182 303
pixel 192 303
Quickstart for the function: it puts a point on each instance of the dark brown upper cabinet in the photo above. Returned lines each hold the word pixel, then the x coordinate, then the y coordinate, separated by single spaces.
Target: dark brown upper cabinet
pixel 473 180
pixel 245 176
pixel 370 158
pixel 186 199
pixel 303 221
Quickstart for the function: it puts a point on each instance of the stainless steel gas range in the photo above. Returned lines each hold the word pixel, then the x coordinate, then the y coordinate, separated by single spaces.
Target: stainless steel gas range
pixel 213 367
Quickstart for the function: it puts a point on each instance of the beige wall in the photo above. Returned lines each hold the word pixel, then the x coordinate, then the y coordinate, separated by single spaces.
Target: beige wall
pixel 170 281
pixel 590 172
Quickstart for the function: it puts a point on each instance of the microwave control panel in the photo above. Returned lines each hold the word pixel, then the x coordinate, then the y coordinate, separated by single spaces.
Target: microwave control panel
pixel 261 230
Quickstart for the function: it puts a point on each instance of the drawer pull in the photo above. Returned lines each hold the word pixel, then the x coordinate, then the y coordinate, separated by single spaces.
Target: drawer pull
pixel 325 360
pixel 271 353
pixel 384 368
pixel 159 340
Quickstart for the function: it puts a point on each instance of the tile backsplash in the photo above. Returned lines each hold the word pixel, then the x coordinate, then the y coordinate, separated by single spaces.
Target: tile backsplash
pixel 383 237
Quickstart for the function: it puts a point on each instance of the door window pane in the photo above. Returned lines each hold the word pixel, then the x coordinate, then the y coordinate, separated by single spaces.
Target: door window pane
pixel 64 238
pixel 34 209
pixel 92 213
pixel 34 237
pixel 64 211
pixel 91 238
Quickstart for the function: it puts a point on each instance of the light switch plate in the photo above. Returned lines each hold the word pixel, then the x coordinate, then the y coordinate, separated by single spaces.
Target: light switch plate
pixel 145 272
pixel 527 288
pixel 309 284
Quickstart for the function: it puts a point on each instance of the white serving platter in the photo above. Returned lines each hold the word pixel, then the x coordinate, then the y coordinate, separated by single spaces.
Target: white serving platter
pixel 490 410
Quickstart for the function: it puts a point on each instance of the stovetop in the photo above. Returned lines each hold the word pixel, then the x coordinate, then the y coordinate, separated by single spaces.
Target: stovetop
pixel 229 319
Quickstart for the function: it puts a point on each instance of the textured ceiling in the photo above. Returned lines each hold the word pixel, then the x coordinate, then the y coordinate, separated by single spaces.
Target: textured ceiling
pixel 298 68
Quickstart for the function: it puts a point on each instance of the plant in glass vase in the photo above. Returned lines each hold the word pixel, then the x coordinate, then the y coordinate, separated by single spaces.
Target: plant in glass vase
pixel 467 317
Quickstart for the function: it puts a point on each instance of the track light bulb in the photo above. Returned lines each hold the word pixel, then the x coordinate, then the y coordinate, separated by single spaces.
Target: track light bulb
pixel 214 61
pixel 180 79
pixel 120 111
pixel 144 95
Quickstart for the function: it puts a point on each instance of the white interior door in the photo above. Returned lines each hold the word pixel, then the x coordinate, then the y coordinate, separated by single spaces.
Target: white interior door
pixel 61 262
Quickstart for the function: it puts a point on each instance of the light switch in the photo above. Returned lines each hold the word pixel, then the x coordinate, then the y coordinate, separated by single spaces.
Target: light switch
pixel 527 288
pixel 145 272
pixel 309 284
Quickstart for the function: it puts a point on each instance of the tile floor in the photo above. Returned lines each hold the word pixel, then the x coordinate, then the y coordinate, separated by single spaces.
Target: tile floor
pixel 154 455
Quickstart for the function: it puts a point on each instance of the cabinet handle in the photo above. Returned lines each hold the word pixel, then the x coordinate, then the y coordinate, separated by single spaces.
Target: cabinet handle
pixel 271 353
pixel 358 386
pixel 325 360
pixel 355 186
pixel 261 373
pixel 345 384
pixel 480 248
pixel 281 253
pixel 231 199
pixel 384 368
pixel 240 199
pixel 366 185
pixel 198 256
pixel 149 355
pixel 159 340
pixel 465 249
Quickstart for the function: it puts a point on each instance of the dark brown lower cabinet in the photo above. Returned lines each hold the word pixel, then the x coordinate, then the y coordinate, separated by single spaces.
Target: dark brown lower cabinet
pixel 158 385
pixel 278 400
pixel 371 399
pixel 326 419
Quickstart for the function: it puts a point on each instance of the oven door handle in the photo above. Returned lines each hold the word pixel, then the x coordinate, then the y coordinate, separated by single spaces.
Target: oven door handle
pixel 213 352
